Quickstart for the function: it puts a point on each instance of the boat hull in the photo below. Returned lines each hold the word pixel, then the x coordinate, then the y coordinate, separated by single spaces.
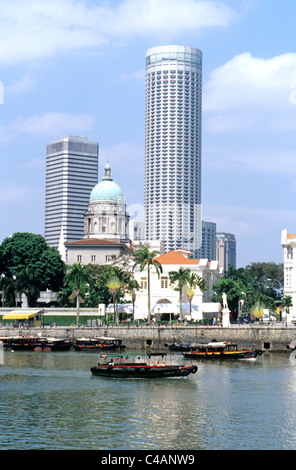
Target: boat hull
pixel 97 347
pixel 144 371
pixel 54 346
pixel 223 355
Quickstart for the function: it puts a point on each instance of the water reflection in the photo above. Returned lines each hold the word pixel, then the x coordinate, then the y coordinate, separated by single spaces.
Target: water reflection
pixel 51 401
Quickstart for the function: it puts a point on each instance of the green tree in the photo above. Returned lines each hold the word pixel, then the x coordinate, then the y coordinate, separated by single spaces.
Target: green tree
pixel 26 282
pixel 146 259
pixel 30 252
pixel 193 281
pixel 8 287
pixel 179 279
pixel 114 283
pixel 98 292
pixel 132 287
pixel 78 278
pixel 233 288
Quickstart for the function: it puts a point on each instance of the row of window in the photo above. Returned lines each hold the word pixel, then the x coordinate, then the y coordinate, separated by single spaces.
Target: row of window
pixel 93 258
pixel 164 282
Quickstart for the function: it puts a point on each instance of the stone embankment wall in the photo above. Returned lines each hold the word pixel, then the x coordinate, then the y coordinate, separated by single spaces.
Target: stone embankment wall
pixel 267 337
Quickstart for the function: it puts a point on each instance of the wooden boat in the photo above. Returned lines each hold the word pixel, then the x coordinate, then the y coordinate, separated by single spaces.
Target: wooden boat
pixel 54 344
pixel 292 345
pixel 221 350
pixel 139 366
pixel 98 344
pixel 20 343
pixel 180 347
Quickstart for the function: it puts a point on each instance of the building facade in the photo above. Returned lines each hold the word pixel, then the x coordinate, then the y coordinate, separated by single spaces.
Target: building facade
pixel 106 230
pixel 106 216
pixel 172 192
pixel 71 173
pixel 226 250
pixel 164 297
pixel 208 244
pixel 288 242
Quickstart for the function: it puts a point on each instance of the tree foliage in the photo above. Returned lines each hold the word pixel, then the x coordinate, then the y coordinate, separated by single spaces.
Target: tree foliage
pixel 146 259
pixel 26 259
pixel 258 284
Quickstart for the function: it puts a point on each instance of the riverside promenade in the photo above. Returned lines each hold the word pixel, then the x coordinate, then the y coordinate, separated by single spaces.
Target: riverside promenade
pixel 269 337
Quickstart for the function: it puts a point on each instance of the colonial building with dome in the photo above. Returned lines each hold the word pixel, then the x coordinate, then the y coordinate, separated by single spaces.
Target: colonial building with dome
pixel 106 231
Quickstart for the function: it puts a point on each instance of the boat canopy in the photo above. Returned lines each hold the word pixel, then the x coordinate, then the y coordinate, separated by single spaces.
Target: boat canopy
pixel 23 315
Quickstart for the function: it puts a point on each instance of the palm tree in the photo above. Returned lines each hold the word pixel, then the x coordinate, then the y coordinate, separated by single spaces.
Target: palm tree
pixel 7 285
pixel 28 284
pixel 180 279
pixel 132 287
pixel 114 283
pixel 146 258
pixel 194 280
pixel 79 278
pixel 287 303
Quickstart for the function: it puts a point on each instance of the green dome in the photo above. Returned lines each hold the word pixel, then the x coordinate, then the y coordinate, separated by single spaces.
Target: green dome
pixel 107 189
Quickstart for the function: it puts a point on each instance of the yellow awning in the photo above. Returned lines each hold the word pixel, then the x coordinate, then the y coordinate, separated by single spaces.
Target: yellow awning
pixel 20 315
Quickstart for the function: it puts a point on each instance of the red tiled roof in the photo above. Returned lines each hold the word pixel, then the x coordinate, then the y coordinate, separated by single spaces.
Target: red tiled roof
pixel 93 242
pixel 173 257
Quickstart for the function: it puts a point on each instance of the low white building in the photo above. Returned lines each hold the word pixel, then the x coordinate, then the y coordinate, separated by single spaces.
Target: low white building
pixel 165 299
pixel 288 241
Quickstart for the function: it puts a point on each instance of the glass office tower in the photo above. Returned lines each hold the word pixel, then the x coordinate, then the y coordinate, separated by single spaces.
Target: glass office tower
pixel 172 194
pixel 71 173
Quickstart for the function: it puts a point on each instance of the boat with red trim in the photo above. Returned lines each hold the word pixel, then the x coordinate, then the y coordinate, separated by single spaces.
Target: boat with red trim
pixel 20 343
pixel 221 350
pixel 139 366
pixel 98 344
pixel 54 344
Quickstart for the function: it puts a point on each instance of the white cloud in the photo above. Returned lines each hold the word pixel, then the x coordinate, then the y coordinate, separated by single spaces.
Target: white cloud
pixel 47 125
pixel 137 75
pixel 124 155
pixel 248 91
pixel 33 30
pixel 20 85
pixel 249 221
pixel 15 193
pixel 243 158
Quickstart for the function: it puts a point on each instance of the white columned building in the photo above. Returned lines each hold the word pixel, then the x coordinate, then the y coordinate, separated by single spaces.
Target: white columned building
pixel 106 232
pixel 288 242
pixel 173 114
pixel 165 299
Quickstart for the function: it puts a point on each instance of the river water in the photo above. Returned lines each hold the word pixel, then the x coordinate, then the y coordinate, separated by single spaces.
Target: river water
pixel 50 401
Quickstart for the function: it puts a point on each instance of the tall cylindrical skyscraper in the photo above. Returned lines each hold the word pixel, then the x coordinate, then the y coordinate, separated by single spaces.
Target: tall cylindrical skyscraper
pixel 172 195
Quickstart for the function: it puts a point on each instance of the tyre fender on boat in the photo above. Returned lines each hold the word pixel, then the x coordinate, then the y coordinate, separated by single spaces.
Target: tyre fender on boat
pixel 194 369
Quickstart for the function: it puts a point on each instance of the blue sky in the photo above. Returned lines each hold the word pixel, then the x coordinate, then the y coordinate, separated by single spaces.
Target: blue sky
pixel 77 68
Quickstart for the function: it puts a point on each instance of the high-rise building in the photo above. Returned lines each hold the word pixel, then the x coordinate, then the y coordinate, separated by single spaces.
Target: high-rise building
pixel 71 174
pixel 208 245
pixel 226 250
pixel 172 194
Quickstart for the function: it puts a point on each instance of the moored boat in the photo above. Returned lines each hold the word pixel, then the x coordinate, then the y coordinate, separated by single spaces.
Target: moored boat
pixel 179 347
pixel 139 366
pixel 98 344
pixel 54 344
pixel 292 345
pixel 221 350
pixel 20 343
